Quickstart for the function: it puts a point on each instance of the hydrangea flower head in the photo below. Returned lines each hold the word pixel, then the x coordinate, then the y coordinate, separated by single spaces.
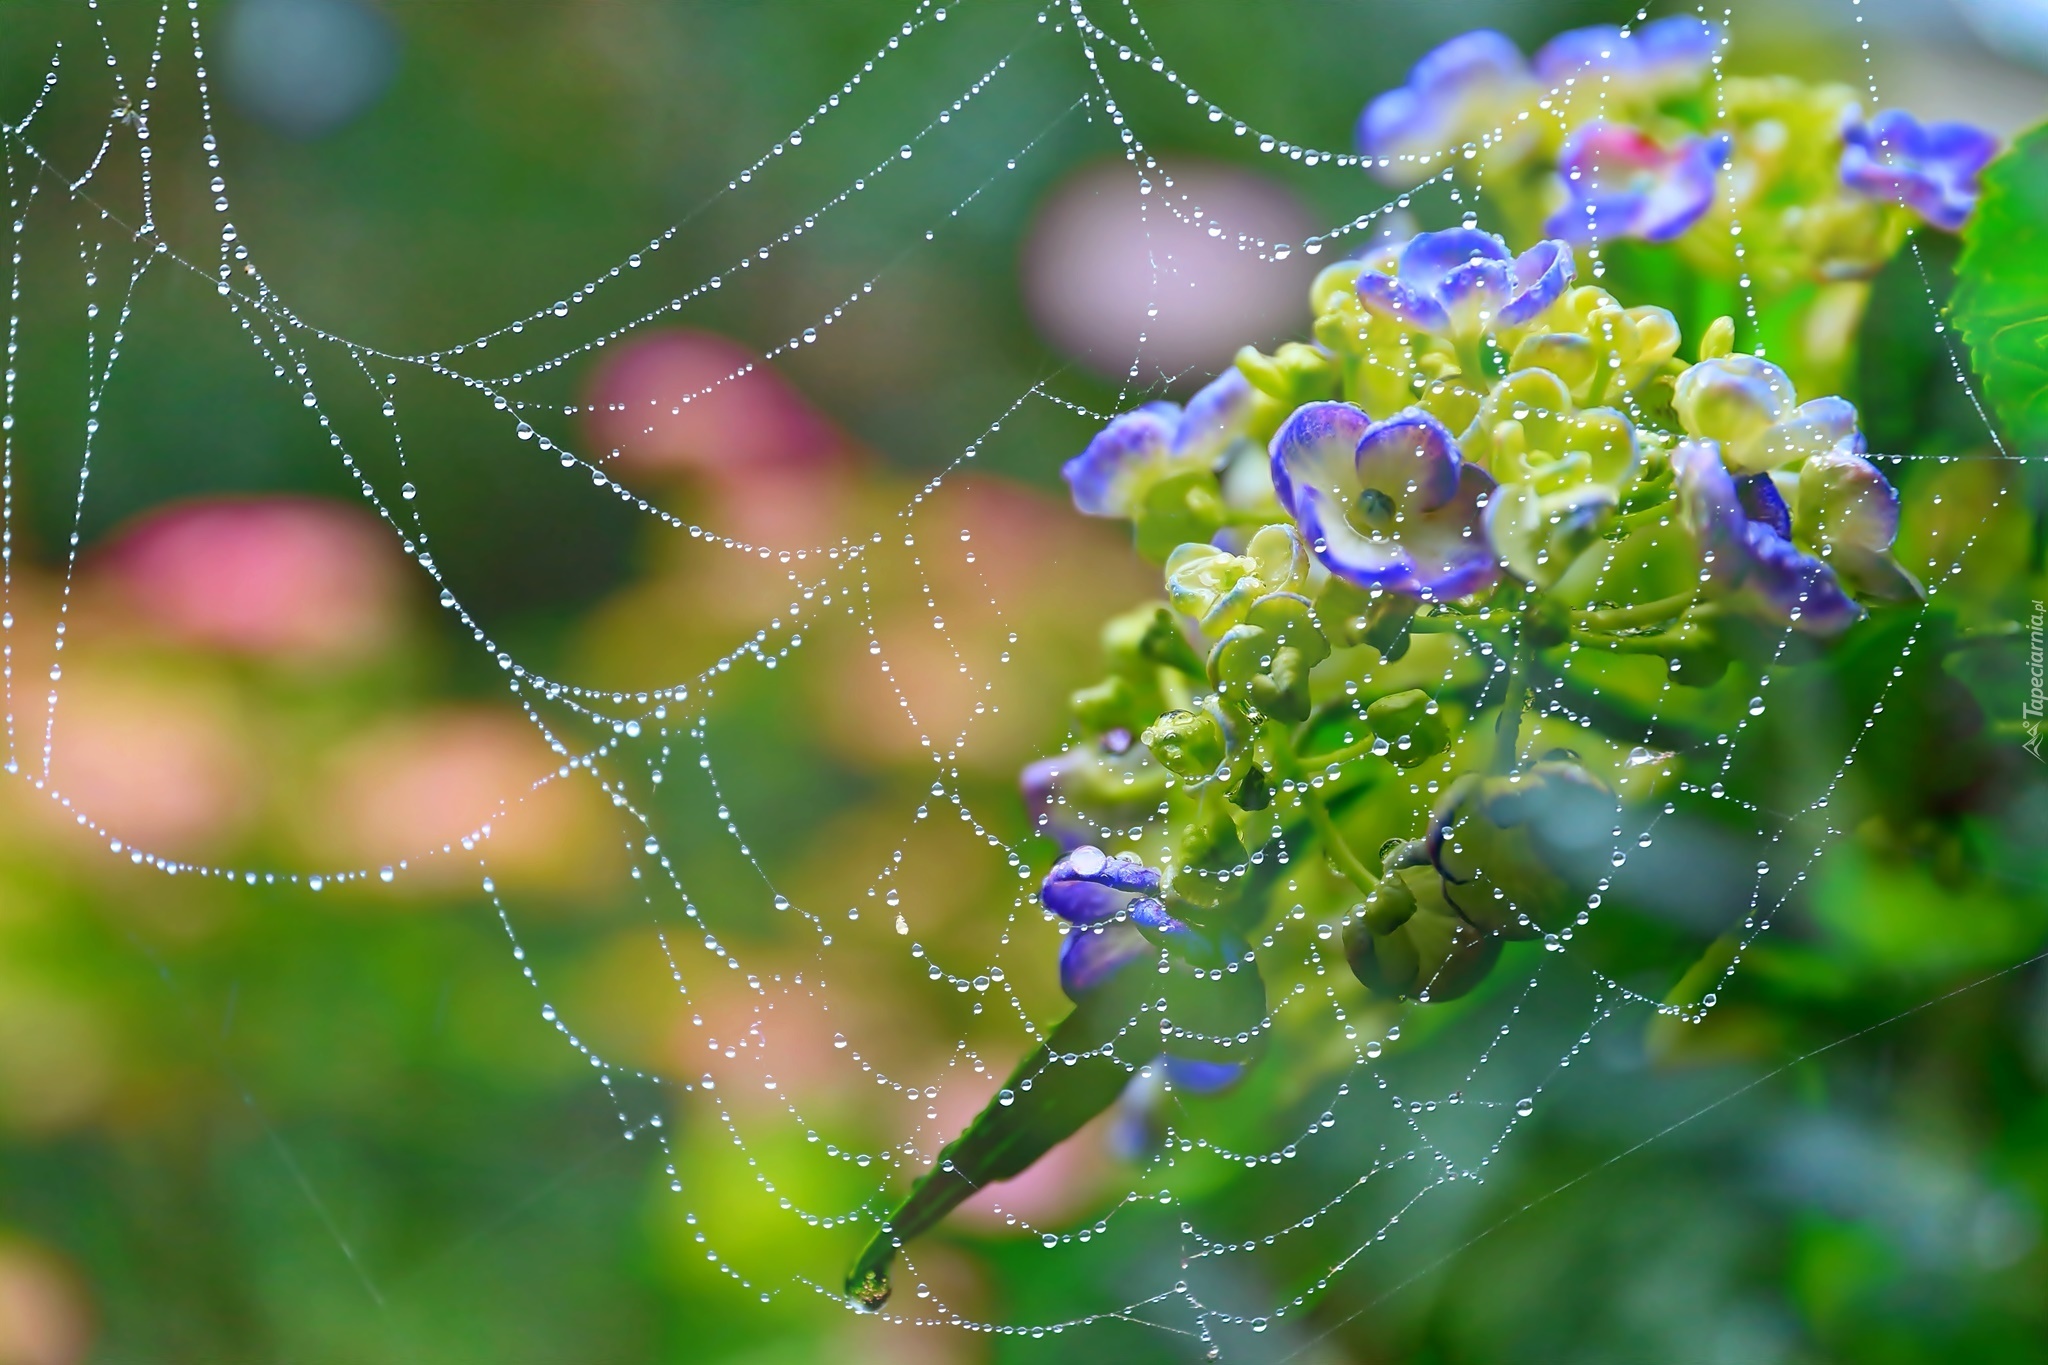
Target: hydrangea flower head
pixel 1462 283
pixel 1931 168
pixel 1748 406
pixel 1457 91
pixel 1620 182
pixel 1385 504
pixel 1661 58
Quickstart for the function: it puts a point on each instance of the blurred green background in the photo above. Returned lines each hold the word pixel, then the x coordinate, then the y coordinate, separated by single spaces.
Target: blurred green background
pixel 260 1123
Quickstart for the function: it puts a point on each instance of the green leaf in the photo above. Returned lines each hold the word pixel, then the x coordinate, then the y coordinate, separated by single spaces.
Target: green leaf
pixel 1045 1101
pixel 2001 298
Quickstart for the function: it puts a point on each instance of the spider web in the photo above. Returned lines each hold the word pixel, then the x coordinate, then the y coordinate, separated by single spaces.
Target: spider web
pixel 1365 1134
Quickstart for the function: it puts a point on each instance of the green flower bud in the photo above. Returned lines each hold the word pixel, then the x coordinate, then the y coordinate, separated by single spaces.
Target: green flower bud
pixel 1719 338
pixel 1190 743
pixel 1294 374
pixel 1427 952
pixel 1217 587
pixel 1266 661
pixel 1409 723
pixel 1497 843
pixel 1108 705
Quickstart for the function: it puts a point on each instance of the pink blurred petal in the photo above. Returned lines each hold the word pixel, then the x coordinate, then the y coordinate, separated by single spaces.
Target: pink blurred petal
pixel 271 576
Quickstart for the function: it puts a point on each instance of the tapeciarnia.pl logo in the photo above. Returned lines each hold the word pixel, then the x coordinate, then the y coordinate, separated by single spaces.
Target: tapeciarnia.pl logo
pixel 2030 712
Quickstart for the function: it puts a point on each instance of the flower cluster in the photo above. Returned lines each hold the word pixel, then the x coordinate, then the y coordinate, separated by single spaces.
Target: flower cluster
pixel 1473 437
pixel 1484 474
pixel 1604 136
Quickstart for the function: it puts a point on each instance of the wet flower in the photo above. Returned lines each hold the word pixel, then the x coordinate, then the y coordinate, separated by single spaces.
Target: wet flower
pixel 1191 744
pixel 1157 441
pixel 1460 284
pixel 1848 512
pixel 1645 64
pixel 1217 587
pixel 1561 470
pixel 1748 406
pixel 1597 347
pixel 1092 954
pixel 1467 87
pixel 1385 504
pixel 1620 182
pixel 1748 556
pixel 1930 168
pixel 1531 430
pixel 1088 886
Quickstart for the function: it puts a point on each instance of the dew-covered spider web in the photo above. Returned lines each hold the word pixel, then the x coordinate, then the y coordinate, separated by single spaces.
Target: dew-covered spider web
pixel 1386 1120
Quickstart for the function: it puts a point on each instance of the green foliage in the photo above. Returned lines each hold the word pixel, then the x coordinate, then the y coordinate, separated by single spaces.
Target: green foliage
pixel 2001 298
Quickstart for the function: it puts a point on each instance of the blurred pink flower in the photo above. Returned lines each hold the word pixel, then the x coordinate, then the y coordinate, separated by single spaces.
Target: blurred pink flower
pixel 1100 255
pixel 272 576
pixel 669 400
pixel 159 766
pixel 44 1316
pixel 414 786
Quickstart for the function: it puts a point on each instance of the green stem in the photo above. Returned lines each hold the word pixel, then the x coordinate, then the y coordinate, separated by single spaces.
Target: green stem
pixel 1507 730
pixel 1335 845
pixel 1634 617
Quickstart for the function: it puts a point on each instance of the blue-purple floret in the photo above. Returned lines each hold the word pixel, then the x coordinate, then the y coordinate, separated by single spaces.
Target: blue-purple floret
pixel 1931 168
pixel 1156 440
pixel 1088 886
pixel 1386 504
pixel 1433 111
pixel 1749 557
pixel 1659 58
pixel 1463 283
pixel 1619 182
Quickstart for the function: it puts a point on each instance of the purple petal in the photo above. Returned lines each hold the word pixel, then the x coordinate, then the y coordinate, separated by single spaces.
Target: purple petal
pixel 1676 50
pixel 1081 902
pixel 1317 448
pixel 1430 256
pixel 1447 546
pixel 1542 274
pixel 1762 502
pixel 1411 457
pixel 1931 169
pixel 1580 50
pixel 1685 189
pixel 1391 299
pixel 1148 913
pixel 1431 110
pixel 1199 1077
pixel 1090 957
pixel 1045 805
pixel 1215 416
pixel 1117 871
pixel 1794 587
pixel 1666 55
pixel 1710 509
pixel 1102 476
pixel 1474 295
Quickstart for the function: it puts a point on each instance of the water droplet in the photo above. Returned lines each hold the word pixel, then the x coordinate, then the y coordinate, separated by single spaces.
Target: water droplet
pixel 408 492
pixel 1525 1106
pixel 1373 1048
